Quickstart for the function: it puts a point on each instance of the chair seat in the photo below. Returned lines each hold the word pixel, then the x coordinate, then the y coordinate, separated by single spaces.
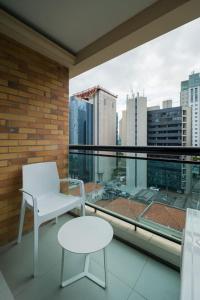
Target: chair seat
pixel 56 202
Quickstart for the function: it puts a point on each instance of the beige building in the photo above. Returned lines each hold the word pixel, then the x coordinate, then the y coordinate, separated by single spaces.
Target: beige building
pixel 136 129
pixel 167 103
pixel 186 126
pixel 104 127
pixel 155 107
pixel 104 131
pixel 104 106
pixel 136 116
pixel 104 114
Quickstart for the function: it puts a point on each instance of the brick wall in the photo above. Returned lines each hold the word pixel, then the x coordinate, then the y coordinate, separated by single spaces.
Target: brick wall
pixel 33 124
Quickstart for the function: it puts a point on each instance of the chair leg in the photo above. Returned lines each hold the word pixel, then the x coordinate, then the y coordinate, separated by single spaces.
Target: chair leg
pixel 83 210
pixel 21 222
pixel 35 254
pixel 62 266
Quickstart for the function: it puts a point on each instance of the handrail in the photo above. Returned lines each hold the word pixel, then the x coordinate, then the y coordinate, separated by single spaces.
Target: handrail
pixel 135 223
pixel 164 150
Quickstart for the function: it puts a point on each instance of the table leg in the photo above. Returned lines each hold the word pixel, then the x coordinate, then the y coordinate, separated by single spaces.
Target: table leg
pixel 87 262
pixel 85 273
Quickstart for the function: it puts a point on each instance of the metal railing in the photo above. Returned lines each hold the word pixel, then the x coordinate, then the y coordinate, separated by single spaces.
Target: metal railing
pixel 166 153
pixel 163 150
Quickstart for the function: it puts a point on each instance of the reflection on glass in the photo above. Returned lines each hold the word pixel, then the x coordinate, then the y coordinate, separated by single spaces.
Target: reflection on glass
pixel 154 193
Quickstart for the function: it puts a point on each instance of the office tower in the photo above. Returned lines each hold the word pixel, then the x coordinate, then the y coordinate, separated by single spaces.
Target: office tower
pixel 122 128
pixel 104 104
pixel 104 117
pixel 104 114
pixel 104 127
pixel 167 103
pixel 136 135
pixel 190 96
pixel 169 127
pixel 136 116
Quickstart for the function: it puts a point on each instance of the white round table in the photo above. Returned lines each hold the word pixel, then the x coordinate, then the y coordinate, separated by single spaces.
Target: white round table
pixel 85 235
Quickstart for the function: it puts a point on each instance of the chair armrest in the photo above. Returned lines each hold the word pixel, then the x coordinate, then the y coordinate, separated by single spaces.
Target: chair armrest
pixel 81 186
pixel 26 192
pixel 71 179
pixel 34 198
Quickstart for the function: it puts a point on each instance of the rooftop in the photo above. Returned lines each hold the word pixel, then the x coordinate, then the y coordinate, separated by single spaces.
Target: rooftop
pixel 87 94
pixel 159 213
pixel 129 208
pixel 168 216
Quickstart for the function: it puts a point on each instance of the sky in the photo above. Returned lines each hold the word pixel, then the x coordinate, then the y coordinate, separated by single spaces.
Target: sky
pixel 154 69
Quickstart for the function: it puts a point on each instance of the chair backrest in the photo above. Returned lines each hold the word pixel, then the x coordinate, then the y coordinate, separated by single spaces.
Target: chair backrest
pixel 41 178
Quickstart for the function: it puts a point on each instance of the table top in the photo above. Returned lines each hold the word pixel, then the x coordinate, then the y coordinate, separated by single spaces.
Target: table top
pixel 85 234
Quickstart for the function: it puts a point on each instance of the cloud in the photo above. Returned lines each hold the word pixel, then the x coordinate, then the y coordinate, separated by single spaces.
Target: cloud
pixel 155 68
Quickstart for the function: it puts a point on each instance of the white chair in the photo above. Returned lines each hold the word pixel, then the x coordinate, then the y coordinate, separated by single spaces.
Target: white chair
pixel 41 193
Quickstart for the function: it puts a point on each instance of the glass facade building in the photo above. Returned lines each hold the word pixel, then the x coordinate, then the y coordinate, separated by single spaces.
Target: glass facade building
pixel 81 132
pixel 80 122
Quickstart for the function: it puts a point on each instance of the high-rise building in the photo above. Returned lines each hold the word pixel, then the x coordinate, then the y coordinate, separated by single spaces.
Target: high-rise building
pixel 104 126
pixel 136 135
pixel 167 103
pixel 190 96
pixel 80 121
pixel 169 127
pixel 104 114
pixel 136 121
pixel 81 132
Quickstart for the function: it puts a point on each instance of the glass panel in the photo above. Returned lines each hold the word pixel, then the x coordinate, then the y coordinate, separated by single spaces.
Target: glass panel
pixel 152 192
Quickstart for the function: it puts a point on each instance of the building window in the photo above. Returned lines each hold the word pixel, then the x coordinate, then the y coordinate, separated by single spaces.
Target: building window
pixel 196 96
pixel 191 95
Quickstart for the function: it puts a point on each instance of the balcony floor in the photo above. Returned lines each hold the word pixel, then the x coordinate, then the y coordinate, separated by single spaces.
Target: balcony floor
pixel 131 274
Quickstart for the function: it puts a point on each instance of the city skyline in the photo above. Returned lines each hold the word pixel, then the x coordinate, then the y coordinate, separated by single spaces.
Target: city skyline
pixel 166 61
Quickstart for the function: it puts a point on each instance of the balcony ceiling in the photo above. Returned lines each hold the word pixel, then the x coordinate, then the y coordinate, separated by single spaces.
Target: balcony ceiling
pixel 81 34
pixel 74 24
